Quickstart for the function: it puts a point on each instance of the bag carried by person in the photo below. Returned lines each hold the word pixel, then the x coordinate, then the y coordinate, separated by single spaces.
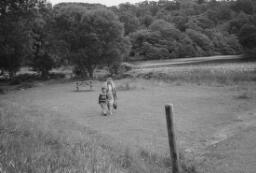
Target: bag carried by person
pixel 115 105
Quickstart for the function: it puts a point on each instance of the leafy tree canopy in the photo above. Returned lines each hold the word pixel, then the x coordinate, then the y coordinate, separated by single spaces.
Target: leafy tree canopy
pixel 95 37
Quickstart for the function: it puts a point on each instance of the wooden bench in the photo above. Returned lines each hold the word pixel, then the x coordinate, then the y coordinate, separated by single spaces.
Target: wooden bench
pixel 84 83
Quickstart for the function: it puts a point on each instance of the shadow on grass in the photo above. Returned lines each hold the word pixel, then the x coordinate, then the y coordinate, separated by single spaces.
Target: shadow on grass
pixel 28 77
pixel 243 96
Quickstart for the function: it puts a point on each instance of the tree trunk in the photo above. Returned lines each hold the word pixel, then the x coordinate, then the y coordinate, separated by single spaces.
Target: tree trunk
pixel 90 71
pixel 11 75
pixel 44 74
pixel 2 72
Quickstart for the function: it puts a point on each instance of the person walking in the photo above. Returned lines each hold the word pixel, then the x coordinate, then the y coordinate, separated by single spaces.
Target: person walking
pixel 112 95
pixel 103 100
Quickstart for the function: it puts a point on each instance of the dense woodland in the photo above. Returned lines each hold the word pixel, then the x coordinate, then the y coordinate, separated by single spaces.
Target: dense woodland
pixel 36 34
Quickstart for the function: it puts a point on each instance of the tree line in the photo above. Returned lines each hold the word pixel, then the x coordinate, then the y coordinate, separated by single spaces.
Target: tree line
pixel 34 33
pixel 189 28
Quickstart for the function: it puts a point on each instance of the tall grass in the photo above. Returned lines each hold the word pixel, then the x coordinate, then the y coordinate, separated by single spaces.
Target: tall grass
pixel 226 74
pixel 35 142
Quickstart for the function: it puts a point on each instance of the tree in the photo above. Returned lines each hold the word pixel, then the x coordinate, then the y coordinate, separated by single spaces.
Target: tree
pixel 167 30
pixel 96 37
pixel 187 48
pixel 11 46
pixel 44 47
pixel 14 16
pixel 245 6
pixel 180 22
pixel 131 23
pixel 161 25
pixel 219 11
pixel 193 24
pixel 161 41
pixel 201 40
pixel 237 23
pixel 247 38
pixel 146 20
pixel 223 43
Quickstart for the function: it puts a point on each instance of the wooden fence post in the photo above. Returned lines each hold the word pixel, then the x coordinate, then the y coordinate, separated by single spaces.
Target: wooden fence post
pixel 172 140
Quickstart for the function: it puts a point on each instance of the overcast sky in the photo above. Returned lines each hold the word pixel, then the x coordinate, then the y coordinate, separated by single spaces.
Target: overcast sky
pixel 105 2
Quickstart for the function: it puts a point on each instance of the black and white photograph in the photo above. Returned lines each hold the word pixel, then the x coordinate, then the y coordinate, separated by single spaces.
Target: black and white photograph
pixel 127 86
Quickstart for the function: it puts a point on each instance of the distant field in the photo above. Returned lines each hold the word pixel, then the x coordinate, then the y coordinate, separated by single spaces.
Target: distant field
pixel 213 70
pixel 186 61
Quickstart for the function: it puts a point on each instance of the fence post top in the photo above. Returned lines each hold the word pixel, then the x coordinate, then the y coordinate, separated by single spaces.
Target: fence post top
pixel 169 105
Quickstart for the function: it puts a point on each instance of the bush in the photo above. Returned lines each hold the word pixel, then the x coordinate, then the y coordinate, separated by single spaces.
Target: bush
pixel 57 75
pixel 120 69
pixel 126 67
pixel 250 54
pixel 247 38
pixel 79 73
pixel 114 69
pixel 156 52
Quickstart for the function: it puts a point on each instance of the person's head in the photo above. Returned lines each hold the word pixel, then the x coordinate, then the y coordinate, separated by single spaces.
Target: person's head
pixel 109 80
pixel 104 90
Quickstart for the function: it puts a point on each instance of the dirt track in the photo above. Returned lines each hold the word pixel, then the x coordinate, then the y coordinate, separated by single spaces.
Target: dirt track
pixel 184 61
pixel 214 125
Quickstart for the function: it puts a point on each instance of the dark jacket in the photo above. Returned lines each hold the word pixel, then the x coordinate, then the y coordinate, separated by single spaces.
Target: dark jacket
pixel 103 98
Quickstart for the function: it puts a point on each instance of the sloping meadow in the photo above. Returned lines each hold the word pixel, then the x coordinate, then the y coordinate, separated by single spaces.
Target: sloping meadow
pixel 209 74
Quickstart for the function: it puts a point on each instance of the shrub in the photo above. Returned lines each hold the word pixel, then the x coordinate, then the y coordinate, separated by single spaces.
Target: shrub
pixel 156 52
pixel 247 38
pixel 126 67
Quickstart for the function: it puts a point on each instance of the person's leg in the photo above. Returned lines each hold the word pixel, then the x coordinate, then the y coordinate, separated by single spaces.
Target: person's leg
pixel 103 108
pixel 110 106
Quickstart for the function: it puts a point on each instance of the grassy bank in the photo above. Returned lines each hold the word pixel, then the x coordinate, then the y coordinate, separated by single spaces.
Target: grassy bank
pixel 32 141
pixel 210 74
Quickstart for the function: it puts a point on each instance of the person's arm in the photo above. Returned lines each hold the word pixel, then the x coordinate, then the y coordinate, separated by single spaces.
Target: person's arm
pixel 99 99
pixel 114 93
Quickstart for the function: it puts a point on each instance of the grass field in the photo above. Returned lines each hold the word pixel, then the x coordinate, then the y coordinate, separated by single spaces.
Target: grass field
pixel 49 127
pixel 226 71
pixel 38 139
